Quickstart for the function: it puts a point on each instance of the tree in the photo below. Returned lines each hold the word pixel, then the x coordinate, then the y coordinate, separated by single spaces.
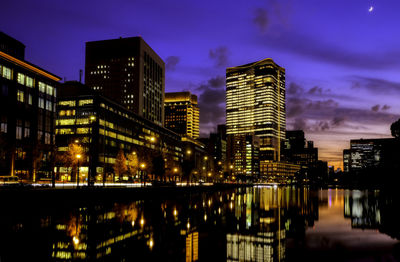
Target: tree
pixel 133 164
pixel 120 166
pixel 395 129
pixel 69 158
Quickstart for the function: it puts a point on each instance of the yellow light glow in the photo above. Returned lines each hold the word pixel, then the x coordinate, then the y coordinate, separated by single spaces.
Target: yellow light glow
pixel 175 212
pixel 78 156
pixel 75 239
pixel 142 222
pixel 188 225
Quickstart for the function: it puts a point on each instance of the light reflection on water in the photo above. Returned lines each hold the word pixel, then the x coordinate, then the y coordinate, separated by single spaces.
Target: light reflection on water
pixel 245 224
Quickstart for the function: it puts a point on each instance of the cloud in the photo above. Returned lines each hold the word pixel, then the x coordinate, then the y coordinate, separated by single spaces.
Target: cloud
pixel 305 112
pixel 294 89
pixel 374 85
pixel 212 104
pixel 375 108
pixel 261 19
pixel 315 90
pixel 300 124
pixel 171 62
pixel 323 50
pixel 220 56
pixel 214 82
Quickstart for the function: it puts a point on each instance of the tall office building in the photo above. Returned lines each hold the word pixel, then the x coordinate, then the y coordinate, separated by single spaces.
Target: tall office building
pixel 255 105
pixel 27 114
pixel 129 72
pixel 182 114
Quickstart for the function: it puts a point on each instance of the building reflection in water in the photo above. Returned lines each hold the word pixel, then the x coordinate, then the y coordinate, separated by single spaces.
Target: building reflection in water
pixel 265 218
pixel 247 224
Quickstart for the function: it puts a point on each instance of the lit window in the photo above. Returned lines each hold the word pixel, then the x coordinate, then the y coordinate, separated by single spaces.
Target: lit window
pixel 48 105
pixel 67 103
pixel 20 96
pixel 3 125
pixel 28 81
pixel 5 72
pixel 85 102
pixel 21 79
pixel 49 90
pixel 47 138
pixel 42 87
pixel 41 103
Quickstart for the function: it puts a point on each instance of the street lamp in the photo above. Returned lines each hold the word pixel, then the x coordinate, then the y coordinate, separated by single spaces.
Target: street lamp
pixel 78 156
pixel 142 167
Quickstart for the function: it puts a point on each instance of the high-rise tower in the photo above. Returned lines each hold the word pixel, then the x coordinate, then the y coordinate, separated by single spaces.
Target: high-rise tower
pixel 129 72
pixel 182 113
pixel 255 106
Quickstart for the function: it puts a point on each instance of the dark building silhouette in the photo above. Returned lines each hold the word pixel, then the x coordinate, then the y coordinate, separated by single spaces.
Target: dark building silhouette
pixel 365 155
pixel 299 151
pixel 104 128
pixel 217 149
pixel 12 46
pixel 129 72
pixel 182 114
pixel 27 114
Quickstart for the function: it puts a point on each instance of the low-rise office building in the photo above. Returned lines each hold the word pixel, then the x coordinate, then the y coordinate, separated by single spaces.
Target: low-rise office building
pixel 103 129
pixel 27 114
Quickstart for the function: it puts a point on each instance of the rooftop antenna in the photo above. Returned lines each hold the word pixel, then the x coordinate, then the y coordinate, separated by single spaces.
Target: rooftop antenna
pixel 80 75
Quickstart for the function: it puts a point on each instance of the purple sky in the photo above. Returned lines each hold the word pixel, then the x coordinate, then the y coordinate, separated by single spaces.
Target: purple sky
pixel 342 62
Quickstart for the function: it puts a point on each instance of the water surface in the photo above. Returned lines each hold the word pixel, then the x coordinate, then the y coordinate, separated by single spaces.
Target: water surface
pixel 244 224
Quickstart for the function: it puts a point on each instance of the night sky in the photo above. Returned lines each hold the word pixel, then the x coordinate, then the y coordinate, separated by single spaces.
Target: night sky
pixel 342 61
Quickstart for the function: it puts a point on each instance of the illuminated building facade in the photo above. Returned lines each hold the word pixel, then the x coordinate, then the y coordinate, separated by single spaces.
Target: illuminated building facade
pixel 129 72
pixel 182 114
pixel 255 105
pixel 27 114
pixel 104 128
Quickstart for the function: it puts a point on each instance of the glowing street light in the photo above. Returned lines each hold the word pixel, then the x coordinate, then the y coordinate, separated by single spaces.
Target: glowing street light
pixel 152 139
pixel 142 167
pixel 78 156
pixel 188 151
pixel 75 239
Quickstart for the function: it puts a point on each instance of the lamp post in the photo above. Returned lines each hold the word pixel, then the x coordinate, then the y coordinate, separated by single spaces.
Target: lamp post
pixel 142 167
pixel 175 171
pixel 78 156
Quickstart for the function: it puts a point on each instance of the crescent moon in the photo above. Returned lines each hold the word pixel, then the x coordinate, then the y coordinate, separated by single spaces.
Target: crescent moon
pixel 371 9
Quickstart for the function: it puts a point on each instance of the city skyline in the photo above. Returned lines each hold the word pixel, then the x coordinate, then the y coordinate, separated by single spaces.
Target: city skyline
pixel 342 82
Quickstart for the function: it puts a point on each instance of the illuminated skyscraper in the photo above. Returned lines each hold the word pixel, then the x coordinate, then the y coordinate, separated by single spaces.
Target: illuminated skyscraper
pixel 255 106
pixel 129 72
pixel 182 114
